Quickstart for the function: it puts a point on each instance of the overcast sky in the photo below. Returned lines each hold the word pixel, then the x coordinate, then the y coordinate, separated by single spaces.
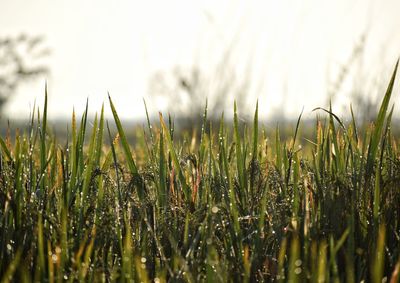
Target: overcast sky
pixel 295 48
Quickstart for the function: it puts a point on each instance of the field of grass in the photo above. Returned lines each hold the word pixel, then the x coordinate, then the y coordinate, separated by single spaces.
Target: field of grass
pixel 238 204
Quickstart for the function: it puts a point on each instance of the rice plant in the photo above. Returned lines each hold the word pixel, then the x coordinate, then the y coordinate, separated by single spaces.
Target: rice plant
pixel 237 204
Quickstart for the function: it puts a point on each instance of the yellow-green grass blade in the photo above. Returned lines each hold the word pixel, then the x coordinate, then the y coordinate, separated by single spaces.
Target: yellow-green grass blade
pixel 378 259
pixel 295 264
pixel 181 177
pixel 149 123
pixel 73 153
pixel 8 275
pixel 255 133
pixel 5 149
pixel 296 192
pixel 162 193
pixel 323 272
pixel 282 260
pixel 150 127
pixel 115 162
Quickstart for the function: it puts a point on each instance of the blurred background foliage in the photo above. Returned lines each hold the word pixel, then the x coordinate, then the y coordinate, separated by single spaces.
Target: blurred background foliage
pixel 21 60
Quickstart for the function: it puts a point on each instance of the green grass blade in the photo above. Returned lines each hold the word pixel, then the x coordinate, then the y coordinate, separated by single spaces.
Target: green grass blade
pixel 43 139
pixel 115 161
pixel 239 154
pixel 353 120
pixel 73 152
pixel 90 163
pixel 291 151
pixel 80 141
pixel 99 138
pixel 124 141
pixel 149 123
pixel 255 133
pixel 376 135
pixel 202 136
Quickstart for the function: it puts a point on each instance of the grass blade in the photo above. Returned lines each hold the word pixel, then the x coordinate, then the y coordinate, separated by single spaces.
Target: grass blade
pixel 181 177
pixel 376 135
pixel 124 141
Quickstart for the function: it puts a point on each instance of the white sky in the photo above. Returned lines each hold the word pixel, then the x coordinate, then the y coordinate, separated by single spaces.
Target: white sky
pixel 295 47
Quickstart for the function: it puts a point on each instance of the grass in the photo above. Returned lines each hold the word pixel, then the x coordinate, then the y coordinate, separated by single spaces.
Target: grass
pixel 229 206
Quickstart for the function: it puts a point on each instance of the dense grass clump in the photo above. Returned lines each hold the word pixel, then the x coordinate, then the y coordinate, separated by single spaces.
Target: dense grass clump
pixel 229 206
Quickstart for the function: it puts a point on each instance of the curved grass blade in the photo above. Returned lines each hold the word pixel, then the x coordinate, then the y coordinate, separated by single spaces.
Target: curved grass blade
pixel 128 155
pixel 124 141
pixel 291 151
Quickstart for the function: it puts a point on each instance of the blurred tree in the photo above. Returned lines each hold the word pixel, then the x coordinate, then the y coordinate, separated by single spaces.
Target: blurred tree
pixel 20 61
pixel 185 89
